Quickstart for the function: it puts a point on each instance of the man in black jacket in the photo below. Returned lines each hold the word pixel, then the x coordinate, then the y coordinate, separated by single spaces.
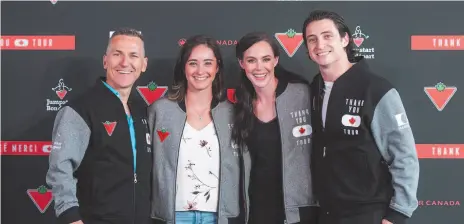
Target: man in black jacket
pixel 100 163
pixel 364 162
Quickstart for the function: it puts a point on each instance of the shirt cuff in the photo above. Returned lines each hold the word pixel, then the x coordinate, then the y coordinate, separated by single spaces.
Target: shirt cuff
pixel 395 217
pixel 69 216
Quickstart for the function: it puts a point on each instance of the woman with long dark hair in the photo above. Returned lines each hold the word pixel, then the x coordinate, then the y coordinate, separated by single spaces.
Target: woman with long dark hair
pixel 196 170
pixel 272 126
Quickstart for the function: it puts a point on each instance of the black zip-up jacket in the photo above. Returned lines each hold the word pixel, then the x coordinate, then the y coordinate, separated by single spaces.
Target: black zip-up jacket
pixel 365 157
pixel 91 169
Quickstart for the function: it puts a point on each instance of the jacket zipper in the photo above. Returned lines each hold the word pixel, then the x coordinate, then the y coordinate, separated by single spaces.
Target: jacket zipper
pixel 283 165
pixel 133 195
pixel 175 173
pixel 134 154
pixel 244 186
pixel 220 170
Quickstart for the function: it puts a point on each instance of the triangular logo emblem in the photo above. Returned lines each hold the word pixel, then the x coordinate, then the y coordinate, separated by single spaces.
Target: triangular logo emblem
pixel 162 134
pixel 42 197
pixel 53 1
pixel 440 94
pixel 151 92
pixel 109 127
pixel 290 41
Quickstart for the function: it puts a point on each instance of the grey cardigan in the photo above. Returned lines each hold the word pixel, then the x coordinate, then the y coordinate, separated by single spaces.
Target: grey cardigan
pixel 170 116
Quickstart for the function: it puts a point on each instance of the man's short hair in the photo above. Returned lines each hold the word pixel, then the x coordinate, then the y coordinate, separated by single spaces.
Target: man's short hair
pixel 126 31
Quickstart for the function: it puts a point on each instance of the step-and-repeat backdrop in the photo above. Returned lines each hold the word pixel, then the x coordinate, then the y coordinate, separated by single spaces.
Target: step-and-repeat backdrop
pixel 51 52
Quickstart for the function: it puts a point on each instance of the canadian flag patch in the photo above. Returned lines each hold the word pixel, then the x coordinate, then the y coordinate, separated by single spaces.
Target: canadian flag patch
pixel 302 130
pixel 349 120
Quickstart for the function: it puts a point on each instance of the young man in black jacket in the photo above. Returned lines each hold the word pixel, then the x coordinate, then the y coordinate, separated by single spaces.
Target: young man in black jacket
pixel 100 163
pixel 364 162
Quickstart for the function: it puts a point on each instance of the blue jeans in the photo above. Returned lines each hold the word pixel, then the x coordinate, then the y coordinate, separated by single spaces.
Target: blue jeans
pixel 196 217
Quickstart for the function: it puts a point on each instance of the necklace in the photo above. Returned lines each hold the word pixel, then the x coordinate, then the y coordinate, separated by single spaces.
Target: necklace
pixel 200 115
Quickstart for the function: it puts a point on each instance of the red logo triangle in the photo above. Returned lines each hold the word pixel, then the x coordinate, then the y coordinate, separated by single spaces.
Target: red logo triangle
pixel 61 93
pixel 109 127
pixel 42 197
pixel 162 134
pixel 290 41
pixel 231 95
pixel 440 94
pixel 151 92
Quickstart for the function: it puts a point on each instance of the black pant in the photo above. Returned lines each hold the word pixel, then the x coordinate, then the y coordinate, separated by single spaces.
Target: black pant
pixel 368 217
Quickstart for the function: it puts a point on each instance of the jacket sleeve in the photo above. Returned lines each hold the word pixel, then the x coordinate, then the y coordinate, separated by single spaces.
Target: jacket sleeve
pixel 70 138
pixel 395 140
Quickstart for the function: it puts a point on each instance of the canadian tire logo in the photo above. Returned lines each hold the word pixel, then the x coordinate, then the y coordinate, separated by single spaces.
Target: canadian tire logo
pixel 290 41
pixel 42 197
pixel 440 94
pixel 151 92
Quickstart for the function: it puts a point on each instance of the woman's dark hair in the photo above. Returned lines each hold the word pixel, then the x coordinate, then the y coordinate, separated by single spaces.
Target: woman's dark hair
pixel 245 92
pixel 179 86
pixel 339 22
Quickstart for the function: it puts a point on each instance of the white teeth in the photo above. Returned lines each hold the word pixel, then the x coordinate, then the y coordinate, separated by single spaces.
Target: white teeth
pixel 259 75
pixel 323 53
pixel 200 78
pixel 124 72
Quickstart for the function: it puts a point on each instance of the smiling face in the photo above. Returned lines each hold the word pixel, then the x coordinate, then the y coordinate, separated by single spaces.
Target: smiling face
pixel 324 43
pixel 201 68
pixel 124 61
pixel 259 62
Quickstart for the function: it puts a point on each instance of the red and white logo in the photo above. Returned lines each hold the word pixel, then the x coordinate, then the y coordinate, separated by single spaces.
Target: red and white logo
pixel 61 90
pixel 181 42
pixel 26 148
pixel 290 41
pixel 109 127
pixel 351 120
pixel 359 38
pixel 21 42
pixel 55 42
pixel 302 130
pixel 151 92
pixel 440 94
pixel 53 1
pixel 42 197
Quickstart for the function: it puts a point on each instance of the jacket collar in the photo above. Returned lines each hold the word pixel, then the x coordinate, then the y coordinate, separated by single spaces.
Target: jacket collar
pixel 102 88
pixel 360 66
